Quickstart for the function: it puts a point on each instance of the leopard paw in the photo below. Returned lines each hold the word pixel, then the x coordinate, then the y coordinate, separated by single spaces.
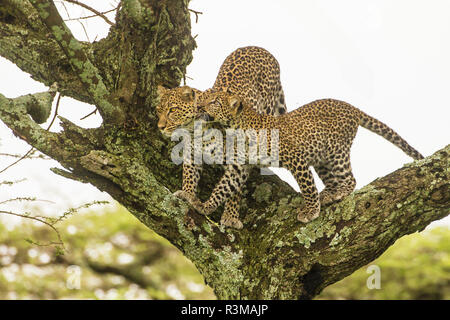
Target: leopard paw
pixel 189 197
pixel 308 214
pixel 184 195
pixel 231 222
pixel 326 198
pixel 193 201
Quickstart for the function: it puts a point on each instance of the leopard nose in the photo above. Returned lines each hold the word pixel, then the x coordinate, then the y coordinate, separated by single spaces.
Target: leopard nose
pixel 161 125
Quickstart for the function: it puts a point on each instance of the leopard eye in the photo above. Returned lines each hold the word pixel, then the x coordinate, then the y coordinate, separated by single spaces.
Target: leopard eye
pixel 172 109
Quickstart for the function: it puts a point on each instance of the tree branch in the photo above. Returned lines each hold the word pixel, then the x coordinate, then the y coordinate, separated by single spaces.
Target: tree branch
pixel 82 66
pixel 274 256
pixel 14 113
pixel 24 40
pixel 66 147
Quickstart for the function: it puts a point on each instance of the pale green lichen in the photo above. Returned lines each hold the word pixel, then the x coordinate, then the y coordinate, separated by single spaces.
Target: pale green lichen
pixel 43 8
pixel 58 33
pixel 73 47
pixel 305 237
pixel 207 227
pixel 229 280
pixel 284 206
pixel 133 9
pixel 173 206
pixel 37 105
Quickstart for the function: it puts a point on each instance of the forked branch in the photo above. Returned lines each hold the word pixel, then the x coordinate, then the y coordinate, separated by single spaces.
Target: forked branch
pixel 86 71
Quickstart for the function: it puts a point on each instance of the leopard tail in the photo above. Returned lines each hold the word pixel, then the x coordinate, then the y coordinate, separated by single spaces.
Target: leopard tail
pixel 383 130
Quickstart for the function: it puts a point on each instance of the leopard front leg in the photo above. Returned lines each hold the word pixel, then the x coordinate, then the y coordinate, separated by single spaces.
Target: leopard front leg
pixel 225 190
pixel 230 215
pixel 191 176
pixel 305 180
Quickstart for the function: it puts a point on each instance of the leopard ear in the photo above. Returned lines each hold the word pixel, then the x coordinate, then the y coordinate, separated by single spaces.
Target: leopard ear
pixel 203 101
pixel 236 105
pixel 188 93
pixel 161 90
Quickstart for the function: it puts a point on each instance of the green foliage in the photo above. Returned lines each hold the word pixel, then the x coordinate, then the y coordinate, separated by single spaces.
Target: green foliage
pixel 116 257
pixel 417 266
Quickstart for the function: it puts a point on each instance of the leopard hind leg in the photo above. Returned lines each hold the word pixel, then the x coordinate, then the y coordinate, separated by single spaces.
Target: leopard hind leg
pixel 230 216
pixel 305 180
pixel 338 178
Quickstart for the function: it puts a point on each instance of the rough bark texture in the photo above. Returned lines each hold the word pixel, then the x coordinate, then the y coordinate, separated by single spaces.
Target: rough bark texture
pixel 274 256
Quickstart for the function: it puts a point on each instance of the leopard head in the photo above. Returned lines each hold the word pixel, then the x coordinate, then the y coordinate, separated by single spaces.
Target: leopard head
pixel 222 106
pixel 177 108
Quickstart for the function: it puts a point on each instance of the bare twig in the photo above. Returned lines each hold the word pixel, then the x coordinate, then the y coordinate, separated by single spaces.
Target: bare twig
pixel 118 7
pixel 85 31
pixel 97 13
pixel 71 211
pixel 29 152
pixel 90 114
pixel 25 199
pixel 65 8
pixel 196 14
pixel 10 183
pixel 48 221
pixel 94 15
pixel 39 156
pixel 56 112
pixel 60 242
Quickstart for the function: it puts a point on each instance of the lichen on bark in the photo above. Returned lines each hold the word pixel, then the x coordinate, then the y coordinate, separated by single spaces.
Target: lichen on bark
pixel 274 256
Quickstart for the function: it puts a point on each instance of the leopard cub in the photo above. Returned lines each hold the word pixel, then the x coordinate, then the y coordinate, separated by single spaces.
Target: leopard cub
pixel 318 134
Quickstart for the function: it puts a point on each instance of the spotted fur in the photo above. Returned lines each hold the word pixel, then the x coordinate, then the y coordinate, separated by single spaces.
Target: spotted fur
pixel 250 72
pixel 318 134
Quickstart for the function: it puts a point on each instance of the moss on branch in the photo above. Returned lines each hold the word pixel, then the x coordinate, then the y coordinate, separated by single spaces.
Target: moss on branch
pixel 77 58
pixel 24 40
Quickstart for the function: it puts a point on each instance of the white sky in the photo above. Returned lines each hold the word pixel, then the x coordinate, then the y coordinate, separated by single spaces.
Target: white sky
pixel 388 58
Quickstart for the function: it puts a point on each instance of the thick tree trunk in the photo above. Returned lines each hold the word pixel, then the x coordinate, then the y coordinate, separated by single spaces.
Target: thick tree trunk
pixel 274 256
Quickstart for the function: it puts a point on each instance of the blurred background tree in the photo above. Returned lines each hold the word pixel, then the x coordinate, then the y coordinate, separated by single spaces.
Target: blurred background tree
pixel 111 255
